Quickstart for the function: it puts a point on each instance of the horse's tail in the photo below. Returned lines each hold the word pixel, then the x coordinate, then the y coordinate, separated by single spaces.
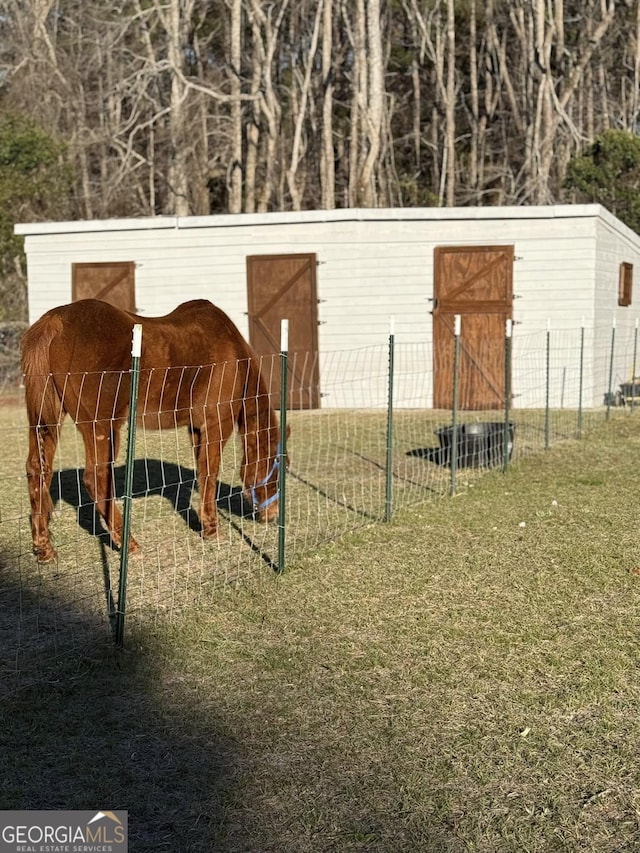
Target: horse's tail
pixel 41 396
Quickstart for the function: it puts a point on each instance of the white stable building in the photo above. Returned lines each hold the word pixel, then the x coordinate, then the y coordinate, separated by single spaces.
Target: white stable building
pixel 345 278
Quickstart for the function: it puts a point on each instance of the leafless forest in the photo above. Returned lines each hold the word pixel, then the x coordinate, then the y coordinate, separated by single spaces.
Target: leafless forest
pixel 201 106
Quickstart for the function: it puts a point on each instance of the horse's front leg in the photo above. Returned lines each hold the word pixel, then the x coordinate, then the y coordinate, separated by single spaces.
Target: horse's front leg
pixel 207 448
pixel 42 448
pixel 101 439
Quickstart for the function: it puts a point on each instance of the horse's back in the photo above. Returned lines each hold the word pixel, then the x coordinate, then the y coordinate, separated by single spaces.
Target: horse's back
pixel 190 357
pixel 83 336
pixel 98 335
pixel 194 364
pixel 66 333
pixel 195 333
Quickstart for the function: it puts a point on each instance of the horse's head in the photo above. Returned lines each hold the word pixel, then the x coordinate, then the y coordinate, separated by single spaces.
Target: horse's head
pixel 261 474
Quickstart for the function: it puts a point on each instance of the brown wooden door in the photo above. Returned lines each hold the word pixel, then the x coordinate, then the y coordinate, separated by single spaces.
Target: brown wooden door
pixel 284 287
pixel 477 283
pixel 112 282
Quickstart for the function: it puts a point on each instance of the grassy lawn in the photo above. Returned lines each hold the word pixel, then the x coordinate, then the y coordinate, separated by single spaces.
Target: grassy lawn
pixel 462 679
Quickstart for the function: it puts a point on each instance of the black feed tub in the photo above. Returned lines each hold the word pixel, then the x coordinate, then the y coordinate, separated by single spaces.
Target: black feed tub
pixel 629 393
pixel 479 444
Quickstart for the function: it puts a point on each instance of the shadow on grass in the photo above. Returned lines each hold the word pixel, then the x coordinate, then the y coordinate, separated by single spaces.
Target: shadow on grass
pixel 442 457
pixel 197 770
pixel 87 725
pixel 174 483
pixel 340 502
pixel 431 454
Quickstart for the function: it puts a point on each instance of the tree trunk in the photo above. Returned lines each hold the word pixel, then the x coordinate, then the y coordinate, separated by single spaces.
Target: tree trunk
pixel 294 189
pixel 359 96
pixel 235 167
pixel 176 22
pixel 327 156
pixel 375 106
pixel 265 32
pixel 450 105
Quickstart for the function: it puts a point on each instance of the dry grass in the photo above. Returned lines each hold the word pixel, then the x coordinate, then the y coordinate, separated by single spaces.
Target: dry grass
pixel 464 678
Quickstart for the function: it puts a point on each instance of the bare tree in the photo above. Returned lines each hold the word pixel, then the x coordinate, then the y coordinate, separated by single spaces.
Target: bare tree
pixel 235 70
pixel 373 106
pixel 327 168
pixel 300 113
pixel 192 106
pixel 265 27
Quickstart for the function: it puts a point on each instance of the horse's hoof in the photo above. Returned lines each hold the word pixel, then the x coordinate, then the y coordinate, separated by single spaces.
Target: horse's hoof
pixel 45 555
pixel 134 548
pixel 211 532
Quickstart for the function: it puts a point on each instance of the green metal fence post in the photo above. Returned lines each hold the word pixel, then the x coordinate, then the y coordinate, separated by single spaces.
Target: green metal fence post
pixel 388 502
pixel 136 349
pixel 282 467
pixel 507 394
pixel 613 347
pixel 454 412
pixel 547 405
pixel 635 362
pixel 581 383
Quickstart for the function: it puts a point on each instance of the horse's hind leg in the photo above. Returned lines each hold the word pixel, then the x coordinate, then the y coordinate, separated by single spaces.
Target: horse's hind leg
pixel 101 439
pixel 42 447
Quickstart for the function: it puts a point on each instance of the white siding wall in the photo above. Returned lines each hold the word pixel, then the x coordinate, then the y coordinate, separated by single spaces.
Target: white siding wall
pixel 373 265
pixel 615 244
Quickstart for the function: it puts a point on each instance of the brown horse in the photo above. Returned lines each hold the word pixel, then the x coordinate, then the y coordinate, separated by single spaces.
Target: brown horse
pixel 196 370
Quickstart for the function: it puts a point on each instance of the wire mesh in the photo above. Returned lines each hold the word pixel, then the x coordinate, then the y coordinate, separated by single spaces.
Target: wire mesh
pixel 52 615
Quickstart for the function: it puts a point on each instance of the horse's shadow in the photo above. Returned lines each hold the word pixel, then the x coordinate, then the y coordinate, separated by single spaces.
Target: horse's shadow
pixel 174 483
pixel 437 455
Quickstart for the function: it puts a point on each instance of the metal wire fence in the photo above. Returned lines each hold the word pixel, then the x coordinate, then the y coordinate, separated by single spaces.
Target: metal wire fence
pixel 376 447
